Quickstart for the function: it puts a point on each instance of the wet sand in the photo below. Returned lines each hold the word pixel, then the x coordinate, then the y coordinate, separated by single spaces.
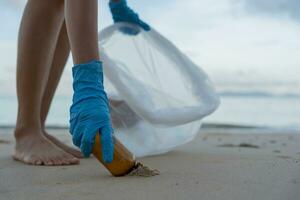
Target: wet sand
pixel 217 165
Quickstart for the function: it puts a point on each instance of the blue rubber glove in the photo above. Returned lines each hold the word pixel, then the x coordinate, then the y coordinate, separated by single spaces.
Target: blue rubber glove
pixel 122 13
pixel 89 112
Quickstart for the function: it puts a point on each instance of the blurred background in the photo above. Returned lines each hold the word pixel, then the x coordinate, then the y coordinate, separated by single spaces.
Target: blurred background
pixel 249 48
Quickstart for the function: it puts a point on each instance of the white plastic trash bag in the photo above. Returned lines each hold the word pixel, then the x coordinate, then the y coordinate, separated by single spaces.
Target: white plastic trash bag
pixel 158 95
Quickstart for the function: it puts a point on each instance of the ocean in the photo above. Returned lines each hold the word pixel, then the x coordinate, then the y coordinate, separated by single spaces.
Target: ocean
pixel 237 109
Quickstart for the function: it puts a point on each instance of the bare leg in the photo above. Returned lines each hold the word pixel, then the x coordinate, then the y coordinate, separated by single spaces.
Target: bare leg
pixel 82 27
pixel 61 55
pixel 38 36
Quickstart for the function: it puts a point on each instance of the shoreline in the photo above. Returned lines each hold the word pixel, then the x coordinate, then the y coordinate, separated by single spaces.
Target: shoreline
pixel 211 127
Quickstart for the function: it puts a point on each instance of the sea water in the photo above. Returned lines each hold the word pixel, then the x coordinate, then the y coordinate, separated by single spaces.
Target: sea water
pixel 256 109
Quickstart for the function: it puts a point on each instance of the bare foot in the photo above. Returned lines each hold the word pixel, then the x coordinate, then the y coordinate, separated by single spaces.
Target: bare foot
pixel 63 146
pixel 36 149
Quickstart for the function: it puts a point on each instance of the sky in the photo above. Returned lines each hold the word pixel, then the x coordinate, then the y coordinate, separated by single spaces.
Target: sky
pixel 237 42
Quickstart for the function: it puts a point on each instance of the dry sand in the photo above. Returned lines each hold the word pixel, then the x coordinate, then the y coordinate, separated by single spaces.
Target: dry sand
pixel 215 166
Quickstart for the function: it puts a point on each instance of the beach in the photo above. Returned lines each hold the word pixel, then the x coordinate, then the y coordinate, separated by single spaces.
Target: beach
pixel 218 164
pixel 162 83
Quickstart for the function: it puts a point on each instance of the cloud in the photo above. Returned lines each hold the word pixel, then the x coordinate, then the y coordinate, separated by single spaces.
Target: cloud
pixel 288 8
pixel 217 34
pixel 221 36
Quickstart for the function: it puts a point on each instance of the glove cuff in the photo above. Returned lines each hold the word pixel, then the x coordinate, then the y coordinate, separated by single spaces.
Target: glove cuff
pixel 91 72
pixel 113 5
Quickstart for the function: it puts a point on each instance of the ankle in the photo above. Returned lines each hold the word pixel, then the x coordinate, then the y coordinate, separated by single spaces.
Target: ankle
pixel 43 127
pixel 23 131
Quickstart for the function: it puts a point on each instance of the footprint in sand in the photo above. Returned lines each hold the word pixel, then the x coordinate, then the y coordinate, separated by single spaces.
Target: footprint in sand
pixel 242 145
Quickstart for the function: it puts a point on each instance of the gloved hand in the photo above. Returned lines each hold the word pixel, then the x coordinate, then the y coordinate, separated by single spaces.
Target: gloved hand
pixel 89 113
pixel 122 13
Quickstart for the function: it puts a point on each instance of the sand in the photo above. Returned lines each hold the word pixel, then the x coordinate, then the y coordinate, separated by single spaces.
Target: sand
pixel 202 169
pixel 143 171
